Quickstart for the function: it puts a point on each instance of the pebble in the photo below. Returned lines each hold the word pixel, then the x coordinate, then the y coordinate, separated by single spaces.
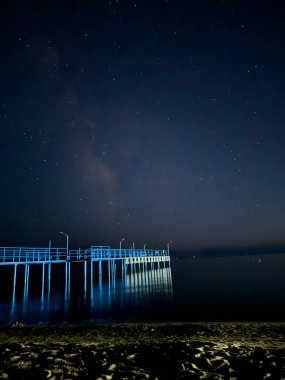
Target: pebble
pixel 131 357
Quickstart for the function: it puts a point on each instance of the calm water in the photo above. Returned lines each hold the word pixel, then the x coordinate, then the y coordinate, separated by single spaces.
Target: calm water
pixel 192 289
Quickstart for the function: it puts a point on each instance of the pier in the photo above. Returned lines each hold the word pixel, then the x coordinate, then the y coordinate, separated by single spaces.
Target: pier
pixel 134 268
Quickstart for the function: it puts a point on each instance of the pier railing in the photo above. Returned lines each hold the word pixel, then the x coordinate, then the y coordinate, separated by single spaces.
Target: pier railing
pixel 105 253
pixel 31 255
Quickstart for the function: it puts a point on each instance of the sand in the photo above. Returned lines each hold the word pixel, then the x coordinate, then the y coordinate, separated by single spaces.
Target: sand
pixel 144 351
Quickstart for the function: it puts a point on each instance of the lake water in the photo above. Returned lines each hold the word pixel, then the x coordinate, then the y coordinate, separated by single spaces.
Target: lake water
pixel 191 289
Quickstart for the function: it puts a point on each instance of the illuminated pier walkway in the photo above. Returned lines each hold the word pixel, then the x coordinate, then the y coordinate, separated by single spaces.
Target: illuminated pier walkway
pixel 48 255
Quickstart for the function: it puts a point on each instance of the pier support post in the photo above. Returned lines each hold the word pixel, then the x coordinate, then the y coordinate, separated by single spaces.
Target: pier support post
pixel 14 291
pixel 43 287
pixel 100 272
pixel 91 284
pixel 123 271
pixel 85 281
pixel 49 279
pixel 66 282
pixel 100 284
pixel 109 284
pixel 109 274
pixel 69 269
pixel 26 287
pixel 67 286
pixel 114 273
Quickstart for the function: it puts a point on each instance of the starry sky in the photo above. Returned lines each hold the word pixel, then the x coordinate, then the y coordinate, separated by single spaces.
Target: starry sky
pixel 152 120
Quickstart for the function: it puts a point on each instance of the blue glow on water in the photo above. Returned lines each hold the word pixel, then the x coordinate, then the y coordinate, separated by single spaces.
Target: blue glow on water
pixel 218 288
pixel 80 291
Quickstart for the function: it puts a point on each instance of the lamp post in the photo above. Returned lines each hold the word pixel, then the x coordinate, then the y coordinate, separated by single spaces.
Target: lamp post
pixel 49 247
pixel 121 241
pixel 67 238
pixel 168 246
pixel 144 247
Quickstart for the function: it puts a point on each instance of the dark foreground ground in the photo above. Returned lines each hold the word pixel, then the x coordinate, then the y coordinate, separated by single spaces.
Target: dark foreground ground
pixel 144 351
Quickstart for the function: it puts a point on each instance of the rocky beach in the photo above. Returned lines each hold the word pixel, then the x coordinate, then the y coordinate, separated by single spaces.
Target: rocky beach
pixel 143 351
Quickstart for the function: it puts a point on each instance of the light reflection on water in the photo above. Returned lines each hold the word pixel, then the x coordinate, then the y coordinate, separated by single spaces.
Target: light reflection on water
pixel 193 289
pixel 107 291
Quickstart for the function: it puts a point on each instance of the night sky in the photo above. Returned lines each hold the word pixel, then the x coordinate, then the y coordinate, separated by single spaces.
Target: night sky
pixel 152 120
